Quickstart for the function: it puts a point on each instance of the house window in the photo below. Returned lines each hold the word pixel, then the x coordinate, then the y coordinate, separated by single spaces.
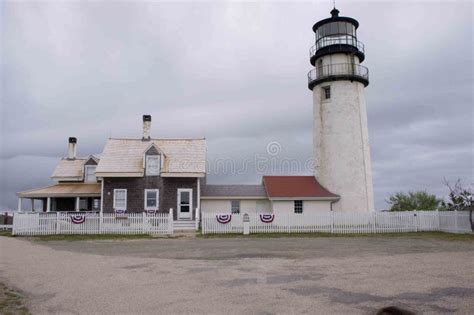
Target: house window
pixel 235 206
pixel 152 165
pixel 120 199
pixel 298 206
pixel 151 199
pixel 89 174
pixel 326 92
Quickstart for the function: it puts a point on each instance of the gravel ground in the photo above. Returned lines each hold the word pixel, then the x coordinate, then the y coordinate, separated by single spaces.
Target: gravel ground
pixel 257 276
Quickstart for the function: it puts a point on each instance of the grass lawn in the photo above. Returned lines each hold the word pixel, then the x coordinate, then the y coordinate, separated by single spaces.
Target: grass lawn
pixel 98 237
pixel 433 235
pixel 12 302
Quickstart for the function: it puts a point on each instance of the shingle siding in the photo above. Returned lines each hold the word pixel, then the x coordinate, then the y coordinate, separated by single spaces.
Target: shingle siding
pixel 136 192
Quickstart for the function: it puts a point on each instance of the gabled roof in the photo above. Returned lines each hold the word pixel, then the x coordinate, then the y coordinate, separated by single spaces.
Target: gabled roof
pixel 63 190
pixel 71 169
pixel 217 191
pixel 124 157
pixel 281 187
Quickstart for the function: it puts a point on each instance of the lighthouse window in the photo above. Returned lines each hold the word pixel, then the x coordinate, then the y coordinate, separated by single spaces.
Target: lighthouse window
pixel 326 92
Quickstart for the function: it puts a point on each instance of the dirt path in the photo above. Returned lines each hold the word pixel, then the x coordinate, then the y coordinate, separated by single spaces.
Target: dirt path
pixel 259 276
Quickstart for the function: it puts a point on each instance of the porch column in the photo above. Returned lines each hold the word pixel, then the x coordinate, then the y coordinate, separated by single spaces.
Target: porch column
pixel 32 204
pixel 48 204
pixel 78 200
pixel 102 196
pixel 19 204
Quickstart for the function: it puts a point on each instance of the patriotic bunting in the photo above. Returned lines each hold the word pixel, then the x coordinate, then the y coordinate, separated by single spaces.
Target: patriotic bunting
pixel 224 218
pixel 78 218
pixel 267 218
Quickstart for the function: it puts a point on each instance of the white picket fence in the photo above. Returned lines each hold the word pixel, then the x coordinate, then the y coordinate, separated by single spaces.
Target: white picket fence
pixel 49 223
pixel 343 223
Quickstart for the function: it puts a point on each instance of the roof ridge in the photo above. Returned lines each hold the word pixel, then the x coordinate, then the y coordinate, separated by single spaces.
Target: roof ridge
pixel 156 139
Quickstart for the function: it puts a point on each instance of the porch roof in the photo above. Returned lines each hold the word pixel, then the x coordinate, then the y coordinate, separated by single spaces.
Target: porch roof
pixel 63 190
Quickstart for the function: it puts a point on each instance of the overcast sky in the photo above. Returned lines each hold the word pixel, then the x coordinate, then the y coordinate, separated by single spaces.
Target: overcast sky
pixel 234 73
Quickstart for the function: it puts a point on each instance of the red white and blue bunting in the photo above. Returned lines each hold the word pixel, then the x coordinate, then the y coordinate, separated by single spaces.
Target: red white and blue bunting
pixel 151 212
pixel 78 218
pixel 267 218
pixel 120 212
pixel 224 218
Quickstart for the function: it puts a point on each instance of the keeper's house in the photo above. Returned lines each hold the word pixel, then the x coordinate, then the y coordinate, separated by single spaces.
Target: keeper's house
pixel 144 174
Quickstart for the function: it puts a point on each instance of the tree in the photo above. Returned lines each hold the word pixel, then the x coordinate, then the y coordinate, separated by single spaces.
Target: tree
pixel 460 198
pixel 417 200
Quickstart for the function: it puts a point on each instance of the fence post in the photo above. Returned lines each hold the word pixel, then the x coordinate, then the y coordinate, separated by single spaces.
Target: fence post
pixel 143 223
pixel 14 226
pixel 332 222
pixel 456 220
pixel 416 220
pixel 439 223
pixel 288 225
pixel 100 222
pixel 197 217
pixel 57 222
pixel 170 221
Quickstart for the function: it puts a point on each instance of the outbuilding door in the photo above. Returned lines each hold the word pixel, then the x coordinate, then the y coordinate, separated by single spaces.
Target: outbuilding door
pixel 185 203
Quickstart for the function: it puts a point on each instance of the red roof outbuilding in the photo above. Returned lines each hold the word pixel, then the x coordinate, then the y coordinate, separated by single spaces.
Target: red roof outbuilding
pixel 295 187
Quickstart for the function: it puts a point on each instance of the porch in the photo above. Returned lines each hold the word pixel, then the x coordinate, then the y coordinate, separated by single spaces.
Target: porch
pixel 62 197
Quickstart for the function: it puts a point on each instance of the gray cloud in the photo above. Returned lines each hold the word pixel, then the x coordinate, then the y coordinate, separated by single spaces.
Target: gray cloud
pixel 236 74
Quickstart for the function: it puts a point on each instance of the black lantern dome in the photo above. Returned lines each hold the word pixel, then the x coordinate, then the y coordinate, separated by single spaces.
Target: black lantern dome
pixel 336 35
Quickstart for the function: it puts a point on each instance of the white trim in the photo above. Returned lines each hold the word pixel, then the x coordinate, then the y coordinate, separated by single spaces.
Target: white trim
pixel 102 196
pixel 157 199
pixel 306 198
pixel 120 189
pixel 119 174
pixel 192 174
pixel 198 193
pixel 190 203
pixel 234 197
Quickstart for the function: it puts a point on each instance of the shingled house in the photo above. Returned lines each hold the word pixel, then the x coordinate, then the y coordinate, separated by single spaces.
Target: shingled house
pixel 137 175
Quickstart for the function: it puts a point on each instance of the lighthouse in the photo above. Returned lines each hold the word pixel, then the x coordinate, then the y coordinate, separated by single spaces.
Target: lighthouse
pixel 340 132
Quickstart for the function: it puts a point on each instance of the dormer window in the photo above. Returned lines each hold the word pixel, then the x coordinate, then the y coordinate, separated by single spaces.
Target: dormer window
pixel 152 166
pixel 89 174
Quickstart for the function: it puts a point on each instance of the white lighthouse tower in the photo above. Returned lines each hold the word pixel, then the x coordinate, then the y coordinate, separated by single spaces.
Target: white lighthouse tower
pixel 340 134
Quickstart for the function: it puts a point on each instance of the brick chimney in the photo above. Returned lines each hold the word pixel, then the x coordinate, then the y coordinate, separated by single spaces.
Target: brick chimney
pixel 71 152
pixel 146 127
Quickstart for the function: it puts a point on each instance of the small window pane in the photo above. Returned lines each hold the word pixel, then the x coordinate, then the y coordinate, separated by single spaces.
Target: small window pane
pixel 235 206
pixel 120 199
pixel 298 206
pixel 151 202
pixel 326 92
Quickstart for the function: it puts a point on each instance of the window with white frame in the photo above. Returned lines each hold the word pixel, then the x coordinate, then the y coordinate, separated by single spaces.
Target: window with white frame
pixel 235 206
pixel 152 165
pixel 89 174
pixel 298 206
pixel 120 199
pixel 152 199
